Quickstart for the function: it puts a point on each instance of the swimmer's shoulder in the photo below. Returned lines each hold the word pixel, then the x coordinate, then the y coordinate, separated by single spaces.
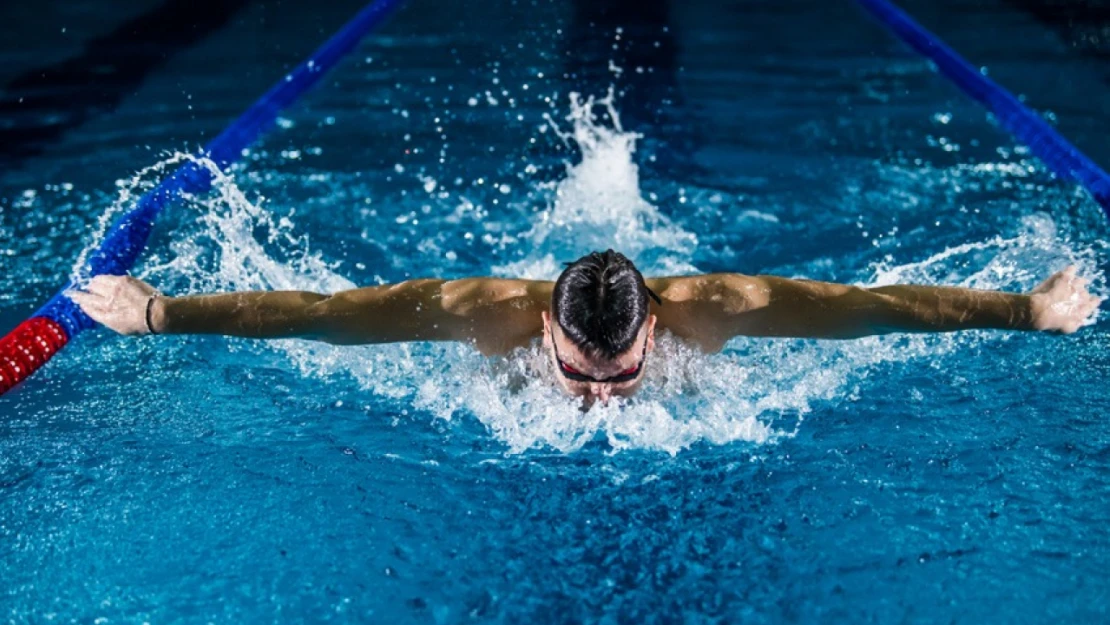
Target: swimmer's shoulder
pixel 695 308
pixel 734 292
pixel 504 313
pixel 486 292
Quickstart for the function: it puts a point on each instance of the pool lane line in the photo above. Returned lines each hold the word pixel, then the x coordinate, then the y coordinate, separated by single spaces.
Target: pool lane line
pixel 35 341
pixel 1056 152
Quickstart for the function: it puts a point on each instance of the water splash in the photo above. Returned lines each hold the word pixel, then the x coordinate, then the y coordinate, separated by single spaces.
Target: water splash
pixel 127 195
pixel 1017 262
pixel 758 390
pixel 599 205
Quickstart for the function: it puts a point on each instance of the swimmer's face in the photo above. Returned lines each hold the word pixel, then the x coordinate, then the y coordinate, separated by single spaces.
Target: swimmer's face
pixel 616 377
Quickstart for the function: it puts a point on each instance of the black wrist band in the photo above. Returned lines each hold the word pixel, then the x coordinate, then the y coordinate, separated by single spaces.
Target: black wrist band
pixel 149 308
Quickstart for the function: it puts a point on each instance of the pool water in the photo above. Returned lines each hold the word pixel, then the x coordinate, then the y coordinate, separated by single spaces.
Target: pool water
pixel 933 479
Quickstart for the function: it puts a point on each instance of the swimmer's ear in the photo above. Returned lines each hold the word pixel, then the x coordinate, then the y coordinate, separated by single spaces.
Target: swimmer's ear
pixel 651 332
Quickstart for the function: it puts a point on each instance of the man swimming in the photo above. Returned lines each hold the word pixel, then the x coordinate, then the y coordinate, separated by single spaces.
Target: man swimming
pixel 597 320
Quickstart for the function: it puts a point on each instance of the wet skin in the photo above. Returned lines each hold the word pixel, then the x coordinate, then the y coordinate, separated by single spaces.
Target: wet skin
pixel 499 315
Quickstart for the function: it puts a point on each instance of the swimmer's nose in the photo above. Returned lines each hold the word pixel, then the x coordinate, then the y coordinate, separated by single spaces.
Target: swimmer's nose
pixel 600 391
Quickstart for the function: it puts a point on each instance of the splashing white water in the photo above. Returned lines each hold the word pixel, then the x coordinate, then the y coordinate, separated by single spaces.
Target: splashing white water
pixel 126 197
pixel 1016 261
pixel 757 390
pixel 598 204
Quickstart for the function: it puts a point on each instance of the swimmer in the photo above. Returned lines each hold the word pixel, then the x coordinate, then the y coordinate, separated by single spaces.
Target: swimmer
pixel 597 321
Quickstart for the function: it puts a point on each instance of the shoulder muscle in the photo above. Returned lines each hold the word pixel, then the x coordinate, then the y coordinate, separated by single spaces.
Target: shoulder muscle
pixel 496 314
pixel 697 308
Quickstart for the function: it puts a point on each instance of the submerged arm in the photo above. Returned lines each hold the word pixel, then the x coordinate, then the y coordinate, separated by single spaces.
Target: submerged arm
pixel 721 306
pixel 489 312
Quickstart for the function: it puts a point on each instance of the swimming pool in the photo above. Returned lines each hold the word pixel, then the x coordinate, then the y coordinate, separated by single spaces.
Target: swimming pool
pixel 925 479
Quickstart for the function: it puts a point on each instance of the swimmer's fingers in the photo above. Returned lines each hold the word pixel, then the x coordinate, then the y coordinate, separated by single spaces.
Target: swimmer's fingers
pixel 124 287
pixel 106 286
pixel 1078 315
pixel 1065 278
pixel 100 286
pixel 92 304
pixel 1089 307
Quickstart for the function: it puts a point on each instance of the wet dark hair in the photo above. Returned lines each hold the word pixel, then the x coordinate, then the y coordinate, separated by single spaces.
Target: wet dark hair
pixel 600 301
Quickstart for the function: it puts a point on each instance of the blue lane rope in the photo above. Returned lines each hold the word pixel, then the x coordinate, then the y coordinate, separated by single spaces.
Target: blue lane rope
pixel 1056 152
pixel 127 237
pixel 35 341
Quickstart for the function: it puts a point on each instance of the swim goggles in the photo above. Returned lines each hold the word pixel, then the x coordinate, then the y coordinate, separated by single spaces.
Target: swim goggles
pixel 575 375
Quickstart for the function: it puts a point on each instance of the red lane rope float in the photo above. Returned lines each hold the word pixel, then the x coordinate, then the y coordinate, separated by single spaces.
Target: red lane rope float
pixel 28 347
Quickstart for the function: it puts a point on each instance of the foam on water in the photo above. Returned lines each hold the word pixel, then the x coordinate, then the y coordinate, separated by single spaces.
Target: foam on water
pixel 757 390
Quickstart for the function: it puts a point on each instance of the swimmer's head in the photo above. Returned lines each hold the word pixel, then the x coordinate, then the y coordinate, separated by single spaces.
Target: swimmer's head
pixel 600 329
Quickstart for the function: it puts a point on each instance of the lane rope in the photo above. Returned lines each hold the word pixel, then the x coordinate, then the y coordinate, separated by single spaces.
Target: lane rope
pixel 35 341
pixel 1056 152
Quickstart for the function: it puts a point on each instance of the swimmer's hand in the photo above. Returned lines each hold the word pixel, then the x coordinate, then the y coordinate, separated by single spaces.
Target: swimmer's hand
pixel 1062 303
pixel 118 303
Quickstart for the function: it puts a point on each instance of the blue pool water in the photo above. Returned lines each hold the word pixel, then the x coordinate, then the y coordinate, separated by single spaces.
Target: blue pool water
pixel 959 478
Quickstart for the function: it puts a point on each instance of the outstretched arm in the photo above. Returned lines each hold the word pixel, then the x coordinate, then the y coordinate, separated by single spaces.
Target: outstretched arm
pixel 494 314
pixel 712 309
